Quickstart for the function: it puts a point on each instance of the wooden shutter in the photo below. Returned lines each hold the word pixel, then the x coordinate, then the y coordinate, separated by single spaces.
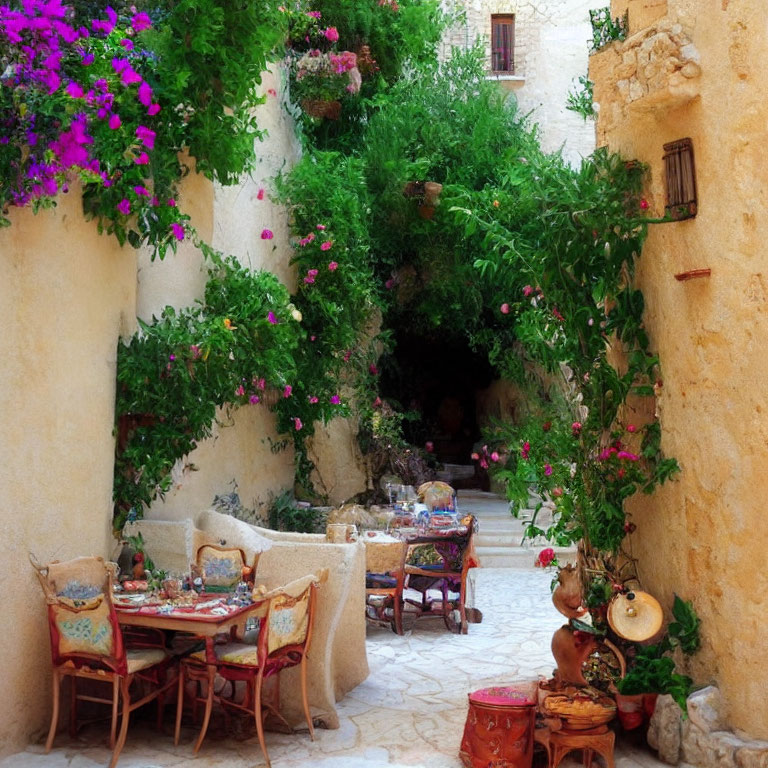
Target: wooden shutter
pixel 503 43
pixel 680 173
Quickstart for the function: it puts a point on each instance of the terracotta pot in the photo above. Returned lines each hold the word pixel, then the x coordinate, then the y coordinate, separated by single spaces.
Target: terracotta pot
pixel 426 211
pixel 330 110
pixel 649 704
pixel 630 710
pixel 432 192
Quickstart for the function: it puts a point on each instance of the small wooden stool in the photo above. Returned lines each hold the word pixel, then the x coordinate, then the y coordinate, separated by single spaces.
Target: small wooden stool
pixel 499 729
pixel 595 740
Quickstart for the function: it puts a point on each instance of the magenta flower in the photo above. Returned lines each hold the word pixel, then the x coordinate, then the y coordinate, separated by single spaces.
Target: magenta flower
pixel 335 400
pixel 333 266
pixel 171 357
pixel 547 469
pixel 253 399
pixel 154 201
pixel 140 22
pixel 627 455
pixel 143 159
pixel 297 425
pixel 127 44
pixel 347 355
pixel 287 390
pixel 114 121
pixel 390 284
pixel 195 350
pixel 153 109
pixel 321 227
pixel 272 317
pixel 74 90
pixel 124 206
pixel 631 428
pixel 576 428
pixel 331 34
pixel 267 234
pixel 240 391
pixel 373 369
pixel 260 194
pixel 326 246
pixel 475 456
pixel 528 290
pixel 145 94
pixel 146 136
pixel 504 309
pixel 309 280
pixel 260 384
pixel 314 399
pixel 141 191
pixel 178 231
pixel 495 456
pixel 171 203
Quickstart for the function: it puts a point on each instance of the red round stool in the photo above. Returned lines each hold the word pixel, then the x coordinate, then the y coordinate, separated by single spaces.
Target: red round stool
pixel 499 729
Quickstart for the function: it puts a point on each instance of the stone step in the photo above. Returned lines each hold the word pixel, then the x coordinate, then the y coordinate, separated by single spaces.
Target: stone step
pixel 508 539
pixel 520 557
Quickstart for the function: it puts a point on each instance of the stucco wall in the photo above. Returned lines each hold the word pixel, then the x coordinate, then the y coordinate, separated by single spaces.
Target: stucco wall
pixel 704 536
pixel 67 294
pixel 550 54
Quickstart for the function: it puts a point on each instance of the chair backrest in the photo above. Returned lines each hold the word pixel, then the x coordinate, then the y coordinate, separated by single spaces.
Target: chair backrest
pixel 437 495
pixel 287 624
pixel 82 622
pixel 222 566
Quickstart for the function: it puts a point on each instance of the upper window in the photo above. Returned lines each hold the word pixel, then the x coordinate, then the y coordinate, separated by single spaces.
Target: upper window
pixel 503 43
pixel 680 175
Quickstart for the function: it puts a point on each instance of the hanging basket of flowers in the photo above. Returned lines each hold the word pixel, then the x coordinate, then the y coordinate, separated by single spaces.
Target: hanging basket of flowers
pixel 320 80
pixel 321 108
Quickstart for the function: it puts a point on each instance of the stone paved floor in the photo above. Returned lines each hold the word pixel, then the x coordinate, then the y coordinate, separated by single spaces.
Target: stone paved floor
pixel 410 711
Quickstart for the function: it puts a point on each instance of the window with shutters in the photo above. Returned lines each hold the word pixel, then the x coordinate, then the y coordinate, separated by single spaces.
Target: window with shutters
pixel 680 175
pixel 503 44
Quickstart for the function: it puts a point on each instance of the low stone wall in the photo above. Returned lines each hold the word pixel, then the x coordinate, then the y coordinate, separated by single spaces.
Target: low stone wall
pixel 337 659
pixel 702 739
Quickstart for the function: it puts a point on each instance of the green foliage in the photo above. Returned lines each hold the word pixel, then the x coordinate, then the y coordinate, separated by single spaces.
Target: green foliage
pixel 656 675
pixel 606 29
pixel 238 343
pixel 581 98
pixel 286 515
pixel 684 631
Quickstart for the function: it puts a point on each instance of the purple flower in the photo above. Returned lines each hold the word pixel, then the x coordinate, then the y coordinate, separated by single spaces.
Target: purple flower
pixel 101 84
pixel 124 206
pixel 146 136
pixel 127 44
pixel 287 391
pixel 272 317
pixel 171 202
pixel 153 109
pixel 547 469
pixel 145 94
pixel 141 191
pixel 178 231
pixel 87 60
pixel 130 76
pixel 267 234
pixel 142 159
pixel 114 121
pixel 140 22
pixel 335 400
pixel 171 357
pixel 253 399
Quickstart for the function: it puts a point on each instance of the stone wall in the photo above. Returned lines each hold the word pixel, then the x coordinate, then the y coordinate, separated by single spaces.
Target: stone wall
pixel 550 54
pixel 703 536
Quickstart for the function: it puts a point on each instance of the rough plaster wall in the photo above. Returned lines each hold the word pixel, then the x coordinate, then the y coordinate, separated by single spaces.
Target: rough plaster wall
pixel 704 535
pixel 67 294
pixel 550 54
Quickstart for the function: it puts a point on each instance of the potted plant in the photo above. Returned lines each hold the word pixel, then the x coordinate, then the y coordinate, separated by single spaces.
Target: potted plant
pixel 320 80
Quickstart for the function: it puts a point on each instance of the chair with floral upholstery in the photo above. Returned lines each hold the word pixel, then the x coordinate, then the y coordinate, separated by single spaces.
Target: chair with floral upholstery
pixel 223 568
pixel 286 616
pixel 87 643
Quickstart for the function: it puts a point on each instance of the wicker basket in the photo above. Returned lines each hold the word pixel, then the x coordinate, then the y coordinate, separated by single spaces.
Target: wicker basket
pixel 330 110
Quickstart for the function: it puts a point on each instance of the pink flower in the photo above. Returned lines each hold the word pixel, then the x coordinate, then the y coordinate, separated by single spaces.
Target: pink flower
pixel 127 44
pixel 153 109
pixel 140 22
pixel 376 403
pixel 335 400
pixel 114 121
pixel 576 428
pixel 178 231
pixel 272 317
pixel 195 350
pixel 253 399
pixel 260 384
pixel 644 204
pixel 475 456
pixel 333 266
pixel 429 446
pixel 74 90
pixel 141 191
pixel 146 136
pixel 557 314
pixel 321 227
pixel 314 399
pixel 260 194
pixel 312 338
pixel 142 159
pixel 124 206
pixel 545 558
pixel 309 280
pixel 240 391
pixel 627 455
pixel 287 390
pixel 326 246
pixel 271 91
pixel 528 290
pixel 504 309
pixel 145 94
pixel 495 456
pixel 347 355
pixel 312 272
pixel 331 34
pixel 547 469
pixel 631 428
pixel 390 284
pixel 266 234
pixel 373 369
pixel 297 425
pixel 171 203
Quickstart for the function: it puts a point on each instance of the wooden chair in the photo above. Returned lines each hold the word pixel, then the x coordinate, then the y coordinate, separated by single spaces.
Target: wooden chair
pixel 286 616
pixel 384 581
pixel 87 643
pixel 223 568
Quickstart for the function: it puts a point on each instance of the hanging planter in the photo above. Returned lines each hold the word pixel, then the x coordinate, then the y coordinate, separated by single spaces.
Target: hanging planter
pixel 322 109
